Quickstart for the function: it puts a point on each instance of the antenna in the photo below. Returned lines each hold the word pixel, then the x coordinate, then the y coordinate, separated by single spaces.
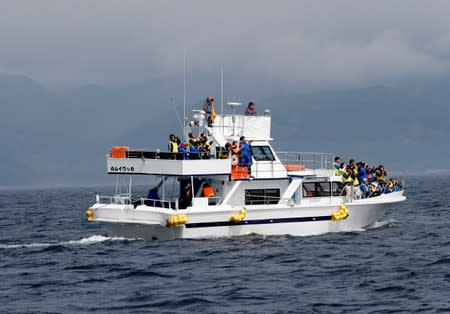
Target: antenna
pixel 184 90
pixel 221 90
pixel 176 112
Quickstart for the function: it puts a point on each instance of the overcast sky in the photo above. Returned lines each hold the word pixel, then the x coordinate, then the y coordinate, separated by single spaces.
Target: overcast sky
pixel 314 44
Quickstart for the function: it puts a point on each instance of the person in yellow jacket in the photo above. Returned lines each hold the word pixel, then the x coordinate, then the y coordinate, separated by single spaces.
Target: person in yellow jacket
pixel 173 145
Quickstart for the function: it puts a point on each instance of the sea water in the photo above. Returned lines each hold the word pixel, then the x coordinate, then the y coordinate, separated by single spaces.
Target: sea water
pixel 53 261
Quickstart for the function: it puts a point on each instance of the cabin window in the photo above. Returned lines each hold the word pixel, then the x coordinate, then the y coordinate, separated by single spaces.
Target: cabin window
pixel 261 153
pixel 337 188
pixel 262 196
pixel 316 189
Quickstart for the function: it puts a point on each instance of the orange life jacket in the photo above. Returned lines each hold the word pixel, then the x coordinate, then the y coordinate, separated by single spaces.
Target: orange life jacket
pixel 208 191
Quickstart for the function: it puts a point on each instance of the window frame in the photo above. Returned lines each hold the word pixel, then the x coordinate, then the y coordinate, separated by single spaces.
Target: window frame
pixel 263 153
pixel 318 190
pixel 269 196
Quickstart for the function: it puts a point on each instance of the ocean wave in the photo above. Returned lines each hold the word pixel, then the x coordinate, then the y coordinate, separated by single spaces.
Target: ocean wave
pixel 84 241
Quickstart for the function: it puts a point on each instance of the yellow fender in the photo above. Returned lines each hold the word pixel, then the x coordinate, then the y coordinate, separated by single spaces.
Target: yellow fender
pixel 176 220
pixel 340 214
pixel 240 217
pixel 90 214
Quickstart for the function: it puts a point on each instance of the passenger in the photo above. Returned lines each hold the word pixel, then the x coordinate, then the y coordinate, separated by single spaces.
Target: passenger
pixel 206 146
pixel 208 191
pixel 351 164
pixel 235 148
pixel 355 180
pixel 337 165
pixel 379 177
pixel 250 110
pixel 346 178
pixel 183 149
pixel 365 188
pixel 153 198
pixel 245 158
pixel 195 150
pixel 362 173
pixel 192 139
pixel 186 196
pixel 224 152
pixel 370 177
pixel 397 186
pixel 210 110
pixel 173 146
pixel 342 169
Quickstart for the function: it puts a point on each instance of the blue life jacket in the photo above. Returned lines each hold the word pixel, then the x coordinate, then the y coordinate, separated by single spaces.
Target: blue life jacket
pixel 195 152
pixel 184 151
pixel 362 174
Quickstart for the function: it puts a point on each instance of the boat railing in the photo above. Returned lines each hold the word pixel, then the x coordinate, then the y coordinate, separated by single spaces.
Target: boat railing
pixel 306 160
pixel 116 199
pixel 355 193
pixel 156 203
pixel 157 154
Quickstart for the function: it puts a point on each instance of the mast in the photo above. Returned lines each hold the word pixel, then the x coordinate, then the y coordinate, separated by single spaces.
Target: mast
pixel 221 90
pixel 184 90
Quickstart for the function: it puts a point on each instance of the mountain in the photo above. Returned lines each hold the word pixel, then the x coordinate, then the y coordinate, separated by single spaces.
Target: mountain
pixel 62 137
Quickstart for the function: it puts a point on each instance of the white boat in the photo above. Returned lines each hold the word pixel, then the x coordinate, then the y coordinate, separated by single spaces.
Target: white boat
pixel 286 194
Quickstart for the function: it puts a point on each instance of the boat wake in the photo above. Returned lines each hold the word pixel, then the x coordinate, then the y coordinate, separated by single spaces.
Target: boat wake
pixel 382 224
pixel 84 241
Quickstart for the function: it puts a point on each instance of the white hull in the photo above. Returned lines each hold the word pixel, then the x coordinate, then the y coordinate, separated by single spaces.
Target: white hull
pixel 150 223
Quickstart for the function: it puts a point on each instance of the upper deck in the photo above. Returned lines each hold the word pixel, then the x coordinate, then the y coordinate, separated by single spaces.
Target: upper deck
pixel 163 163
pixel 266 163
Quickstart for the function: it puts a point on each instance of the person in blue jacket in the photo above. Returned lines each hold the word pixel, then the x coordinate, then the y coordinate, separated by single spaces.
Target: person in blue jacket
pixel 195 150
pixel 245 158
pixel 183 149
pixel 362 173
pixel 365 188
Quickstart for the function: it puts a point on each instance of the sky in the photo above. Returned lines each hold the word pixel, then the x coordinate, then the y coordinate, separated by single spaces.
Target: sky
pixel 315 45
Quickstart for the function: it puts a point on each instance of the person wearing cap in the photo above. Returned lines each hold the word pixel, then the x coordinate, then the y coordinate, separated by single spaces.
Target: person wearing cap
pixel 250 110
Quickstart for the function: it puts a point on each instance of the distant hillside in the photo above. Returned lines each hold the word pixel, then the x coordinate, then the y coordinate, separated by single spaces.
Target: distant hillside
pixel 59 137
pixel 406 127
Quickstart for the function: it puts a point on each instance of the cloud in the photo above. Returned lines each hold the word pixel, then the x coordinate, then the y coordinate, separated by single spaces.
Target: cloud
pixel 307 44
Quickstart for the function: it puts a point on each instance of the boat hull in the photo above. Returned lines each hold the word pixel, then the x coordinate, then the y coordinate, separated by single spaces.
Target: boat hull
pixel 305 220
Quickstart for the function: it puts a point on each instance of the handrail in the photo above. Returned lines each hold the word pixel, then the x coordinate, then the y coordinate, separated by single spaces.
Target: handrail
pixel 312 160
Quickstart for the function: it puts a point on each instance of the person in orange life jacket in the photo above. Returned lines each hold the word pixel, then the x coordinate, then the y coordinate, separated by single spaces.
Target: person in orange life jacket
pixel 250 110
pixel 208 191
pixel 245 159
pixel 234 148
